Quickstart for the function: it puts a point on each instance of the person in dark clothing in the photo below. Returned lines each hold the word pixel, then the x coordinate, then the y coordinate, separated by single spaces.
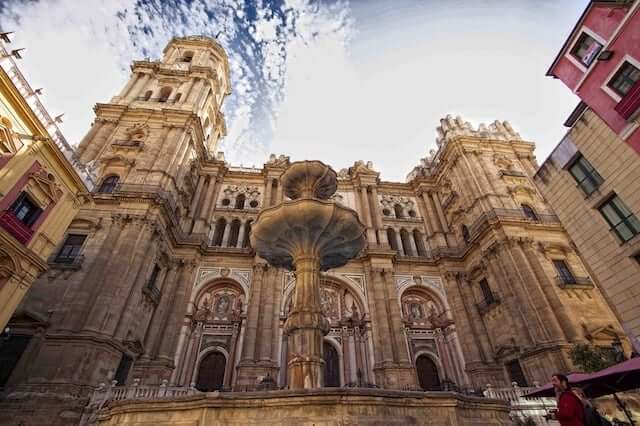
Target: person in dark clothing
pixel 591 415
pixel 570 409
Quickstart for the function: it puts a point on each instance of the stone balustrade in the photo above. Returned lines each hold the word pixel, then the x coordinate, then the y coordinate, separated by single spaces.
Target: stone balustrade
pixel 521 407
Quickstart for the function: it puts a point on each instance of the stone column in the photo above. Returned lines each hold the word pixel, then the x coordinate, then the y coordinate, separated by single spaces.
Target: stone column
pixel 132 80
pixel 139 86
pixel 159 318
pixel 241 234
pixel 266 202
pixel 441 216
pixel 225 236
pixel 395 316
pixel 155 159
pixel 177 311
pixel 195 91
pixel 412 242
pixel 196 198
pixel 380 323
pixel 266 325
pixel 88 138
pixel 477 325
pixel 306 326
pixel 205 209
pixel 399 243
pixel 95 145
pixel 253 309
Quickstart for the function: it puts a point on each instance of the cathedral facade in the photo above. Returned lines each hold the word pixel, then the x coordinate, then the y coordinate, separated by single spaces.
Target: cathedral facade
pixel 467 278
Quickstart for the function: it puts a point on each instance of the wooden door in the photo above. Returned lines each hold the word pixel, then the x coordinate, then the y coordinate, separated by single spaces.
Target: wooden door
pixel 427 373
pixel 211 372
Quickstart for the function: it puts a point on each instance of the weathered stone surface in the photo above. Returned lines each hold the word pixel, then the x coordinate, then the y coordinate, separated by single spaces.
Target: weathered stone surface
pixel 312 407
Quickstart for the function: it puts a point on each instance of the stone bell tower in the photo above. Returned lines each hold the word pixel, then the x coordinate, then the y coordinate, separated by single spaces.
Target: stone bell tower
pixel 168 114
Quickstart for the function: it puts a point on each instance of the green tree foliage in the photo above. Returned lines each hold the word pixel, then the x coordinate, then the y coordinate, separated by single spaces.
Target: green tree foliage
pixel 590 358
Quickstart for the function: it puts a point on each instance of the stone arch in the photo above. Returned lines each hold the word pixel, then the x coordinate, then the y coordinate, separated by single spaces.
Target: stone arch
pixel 211 287
pixel 419 240
pixel 247 234
pixel 9 265
pixel 147 95
pixel 240 201
pixel 398 210
pixel 391 237
pixel 327 280
pixel 414 306
pixel 108 183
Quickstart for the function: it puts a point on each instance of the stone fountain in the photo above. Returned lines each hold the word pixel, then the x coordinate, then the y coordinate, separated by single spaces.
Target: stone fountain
pixel 307 235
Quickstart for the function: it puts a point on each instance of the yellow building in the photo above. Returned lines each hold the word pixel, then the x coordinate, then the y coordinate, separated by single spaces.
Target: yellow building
pixel 40 188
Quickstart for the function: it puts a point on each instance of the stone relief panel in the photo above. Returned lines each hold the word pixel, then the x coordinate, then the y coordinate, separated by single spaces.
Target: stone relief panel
pixel 230 194
pixel 206 274
pixel 220 303
pixel 398 207
pixel 431 282
pixel 419 309
pixel 338 302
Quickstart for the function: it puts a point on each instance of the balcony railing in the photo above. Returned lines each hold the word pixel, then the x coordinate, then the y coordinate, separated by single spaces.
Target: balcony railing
pixel 573 281
pixel 153 292
pixel 630 102
pixel 72 262
pixel 15 227
pixel 520 407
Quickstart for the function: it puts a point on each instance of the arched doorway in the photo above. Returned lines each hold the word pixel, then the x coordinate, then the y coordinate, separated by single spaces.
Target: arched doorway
pixel 211 372
pixel 331 366
pixel 427 373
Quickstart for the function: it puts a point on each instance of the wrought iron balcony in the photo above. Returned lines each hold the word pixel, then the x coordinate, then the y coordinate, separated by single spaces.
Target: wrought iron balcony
pixel 15 227
pixel 59 261
pixel 153 292
pixel 573 281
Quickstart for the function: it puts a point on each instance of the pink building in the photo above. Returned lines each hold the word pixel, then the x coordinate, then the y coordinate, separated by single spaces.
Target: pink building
pixel 600 62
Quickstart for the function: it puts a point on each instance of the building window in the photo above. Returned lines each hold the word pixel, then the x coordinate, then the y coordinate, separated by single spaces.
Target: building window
pixel 529 212
pixel 587 177
pixel 487 294
pixel 586 49
pixel 165 92
pixel 623 222
pixel 398 211
pixel 151 283
pixel 147 95
pixel 122 372
pixel 564 273
pixel 177 98
pixel 240 199
pixel 187 57
pixel 626 76
pixel 71 248
pixel 465 234
pixel 25 210
pixel 514 369
pixel 108 184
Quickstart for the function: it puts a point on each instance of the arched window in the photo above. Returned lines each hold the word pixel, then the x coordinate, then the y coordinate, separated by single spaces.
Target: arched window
pixel 427 373
pixel 274 191
pixel 218 233
pixel 331 366
pixel 211 372
pixel 240 199
pixel 406 242
pixel 177 98
pixel 529 212
pixel 147 95
pixel 187 56
pixel 247 233
pixel 417 236
pixel 465 233
pixel 391 236
pixel 165 92
pixel 398 209
pixel 108 184
pixel 234 233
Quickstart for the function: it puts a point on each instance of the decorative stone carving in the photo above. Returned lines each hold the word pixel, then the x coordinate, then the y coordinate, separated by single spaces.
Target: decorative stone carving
pixel 278 161
pixel 43 186
pixel 389 201
pixel 231 192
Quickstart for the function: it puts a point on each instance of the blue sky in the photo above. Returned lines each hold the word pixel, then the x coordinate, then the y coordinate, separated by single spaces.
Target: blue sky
pixel 333 80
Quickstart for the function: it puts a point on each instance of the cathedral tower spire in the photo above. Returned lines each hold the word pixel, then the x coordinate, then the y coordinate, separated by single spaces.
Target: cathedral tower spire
pixel 167 114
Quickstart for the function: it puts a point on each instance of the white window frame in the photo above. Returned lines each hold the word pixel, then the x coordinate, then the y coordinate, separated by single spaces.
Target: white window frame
pixel 593 35
pixel 605 85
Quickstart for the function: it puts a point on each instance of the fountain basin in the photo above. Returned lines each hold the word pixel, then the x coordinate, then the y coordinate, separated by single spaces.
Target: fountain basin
pixel 308 227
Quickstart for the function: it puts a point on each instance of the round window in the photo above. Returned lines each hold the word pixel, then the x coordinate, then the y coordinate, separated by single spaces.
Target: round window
pixel 226 202
pixel 386 212
pixel 253 204
pixel 412 213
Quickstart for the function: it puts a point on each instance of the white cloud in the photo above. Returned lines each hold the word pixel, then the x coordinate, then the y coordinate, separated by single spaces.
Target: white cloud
pixel 328 80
